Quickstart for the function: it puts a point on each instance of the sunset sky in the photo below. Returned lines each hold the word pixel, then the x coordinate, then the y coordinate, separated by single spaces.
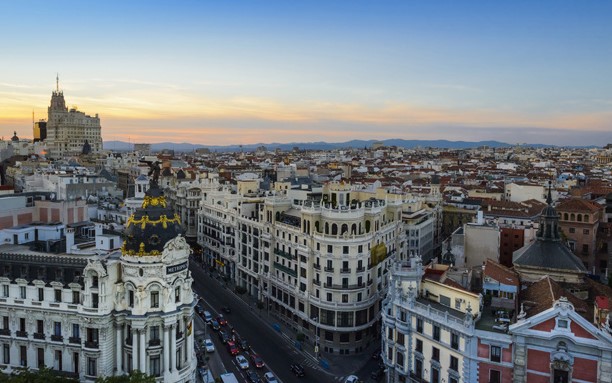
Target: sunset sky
pixel 246 72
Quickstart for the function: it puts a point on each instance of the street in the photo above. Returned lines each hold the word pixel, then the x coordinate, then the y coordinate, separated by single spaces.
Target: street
pixel 277 352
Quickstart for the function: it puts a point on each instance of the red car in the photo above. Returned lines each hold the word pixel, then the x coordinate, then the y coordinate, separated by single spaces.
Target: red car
pixel 221 319
pixel 232 348
pixel 257 361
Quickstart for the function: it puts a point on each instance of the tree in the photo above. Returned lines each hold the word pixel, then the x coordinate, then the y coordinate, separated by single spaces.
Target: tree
pixel 134 377
pixel 43 375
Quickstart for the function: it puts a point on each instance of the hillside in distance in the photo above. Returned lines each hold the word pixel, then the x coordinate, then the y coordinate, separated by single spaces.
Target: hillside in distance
pixel 357 144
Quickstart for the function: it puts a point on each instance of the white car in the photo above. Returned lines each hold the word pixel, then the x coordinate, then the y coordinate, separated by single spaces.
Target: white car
pixel 269 378
pixel 352 379
pixel 210 347
pixel 242 362
pixel 207 316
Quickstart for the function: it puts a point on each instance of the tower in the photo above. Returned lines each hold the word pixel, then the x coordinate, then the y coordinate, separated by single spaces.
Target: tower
pixel 154 298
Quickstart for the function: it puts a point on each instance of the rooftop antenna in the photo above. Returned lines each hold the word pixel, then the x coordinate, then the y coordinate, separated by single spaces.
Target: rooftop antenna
pixel 57 82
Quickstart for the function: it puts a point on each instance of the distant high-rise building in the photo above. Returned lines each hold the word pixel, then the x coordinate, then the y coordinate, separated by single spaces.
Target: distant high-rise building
pixel 67 129
pixel 40 130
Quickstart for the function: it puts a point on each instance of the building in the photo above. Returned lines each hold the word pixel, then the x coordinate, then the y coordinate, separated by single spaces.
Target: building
pixel 319 256
pixel 69 130
pixel 105 312
pixel 40 130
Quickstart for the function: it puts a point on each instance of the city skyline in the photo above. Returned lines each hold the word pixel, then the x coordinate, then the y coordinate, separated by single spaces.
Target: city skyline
pixel 254 72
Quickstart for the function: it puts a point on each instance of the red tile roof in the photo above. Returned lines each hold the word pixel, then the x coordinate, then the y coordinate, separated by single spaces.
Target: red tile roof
pixel 578 205
pixel 500 273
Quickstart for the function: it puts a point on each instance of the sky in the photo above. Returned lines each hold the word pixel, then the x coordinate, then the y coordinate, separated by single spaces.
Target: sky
pixel 246 72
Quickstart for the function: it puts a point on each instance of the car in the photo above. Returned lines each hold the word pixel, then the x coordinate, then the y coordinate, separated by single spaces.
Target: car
pixel 257 361
pixel 270 378
pixel 243 344
pixel 253 377
pixel 378 373
pixel 207 316
pixel 209 345
pixel 199 309
pixel 232 348
pixel 226 309
pixel 224 336
pixel 221 319
pixel 352 379
pixel 297 369
pixel 215 325
pixel 242 362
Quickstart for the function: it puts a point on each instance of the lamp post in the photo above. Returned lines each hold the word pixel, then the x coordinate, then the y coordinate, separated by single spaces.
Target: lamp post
pixel 317 333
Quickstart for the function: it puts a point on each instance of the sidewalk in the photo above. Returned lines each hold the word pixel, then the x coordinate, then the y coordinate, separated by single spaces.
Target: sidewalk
pixel 333 364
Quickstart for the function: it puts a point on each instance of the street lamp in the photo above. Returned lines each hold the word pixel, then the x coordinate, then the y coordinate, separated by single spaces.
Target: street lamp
pixel 317 333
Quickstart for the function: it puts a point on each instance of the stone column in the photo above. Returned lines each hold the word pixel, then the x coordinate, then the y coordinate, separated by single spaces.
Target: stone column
pixel 135 365
pixel 119 350
pixel 142 351
pixel 166 350
pixel 173 347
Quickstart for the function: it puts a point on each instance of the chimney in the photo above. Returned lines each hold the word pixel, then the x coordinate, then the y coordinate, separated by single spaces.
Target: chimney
pixel 69 239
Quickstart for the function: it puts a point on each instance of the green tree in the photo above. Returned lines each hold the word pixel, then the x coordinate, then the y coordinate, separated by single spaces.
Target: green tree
pixel 134 377
pixel 43 375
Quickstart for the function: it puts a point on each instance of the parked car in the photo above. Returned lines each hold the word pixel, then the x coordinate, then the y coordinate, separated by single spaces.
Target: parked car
pixel 215 325
pixel 207 316
pixel 232 348
pixel 253 377
pixel 208 343
pixel 257 361
pixel 199 309
pixel 297 369
pixel 270 378
pixel 242 362
pixel 378 373
pixel 221 319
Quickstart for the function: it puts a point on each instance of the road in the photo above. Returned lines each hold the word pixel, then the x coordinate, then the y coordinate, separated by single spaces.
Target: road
pixel 277 352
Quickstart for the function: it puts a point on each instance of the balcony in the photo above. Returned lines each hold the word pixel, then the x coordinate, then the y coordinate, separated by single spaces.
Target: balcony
pixel 345 271
pixel 74 340
pixel 345 287
pixel 5 332
pixel 154 343
pixel 285 254
pixel 361 269
pixel 57 338
pixel 318 283
pixel 22 334
pixel 92 345
pixel 39 335
pixel 285 269
pixel 329 269
pixel 316 266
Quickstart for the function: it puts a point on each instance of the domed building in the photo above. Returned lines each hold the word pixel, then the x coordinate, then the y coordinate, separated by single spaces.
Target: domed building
pixel 155 300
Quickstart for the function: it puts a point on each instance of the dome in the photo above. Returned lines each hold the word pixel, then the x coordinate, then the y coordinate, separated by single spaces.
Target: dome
pixel 14 138
pixel 151 226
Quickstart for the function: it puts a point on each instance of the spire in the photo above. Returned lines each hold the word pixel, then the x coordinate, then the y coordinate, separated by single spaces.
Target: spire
pixel 549 198
pixel 57 82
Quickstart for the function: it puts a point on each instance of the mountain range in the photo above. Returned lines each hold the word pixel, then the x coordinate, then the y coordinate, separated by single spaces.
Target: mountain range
pixel 188 147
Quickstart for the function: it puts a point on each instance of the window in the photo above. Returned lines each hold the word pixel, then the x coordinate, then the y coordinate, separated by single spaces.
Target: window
pixel 40 328
pixel 154 299
pixel 94 300
pixel 419 326
pixel 6 354
pixel 572 230
pixel 131 298
pixel 23 356
pixel 495 376
pixel 400 338
pixel 154 333
pixel 585 231
pixel 436 333
pixel 76 297
pixel 58 295
pixel 76 332
pixel 345 249
pixel 329 297
pixel 22 292
pixel 329 249
pixel 57 328
pixel 92 367
pixel 454 363
pixel 177 295
pixel 435 375
pixel 457 304
pixel 495 354
pixel 562 323
pixel 585 248
pixel 435 354
pixel 344 298
pixel 418 346
pixel 454 341
pixel 155 366
pixel 453 379
pixel 5 290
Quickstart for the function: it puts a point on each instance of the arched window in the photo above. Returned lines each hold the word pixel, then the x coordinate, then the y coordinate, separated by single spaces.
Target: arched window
pixel 317 226
pixel 579 218
pixel 586 218
pixel 344 228
pixel 334 229
pixel 353 229
pixel 367 226
pixel 565 216
pixel 399 358
pixel 572 217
